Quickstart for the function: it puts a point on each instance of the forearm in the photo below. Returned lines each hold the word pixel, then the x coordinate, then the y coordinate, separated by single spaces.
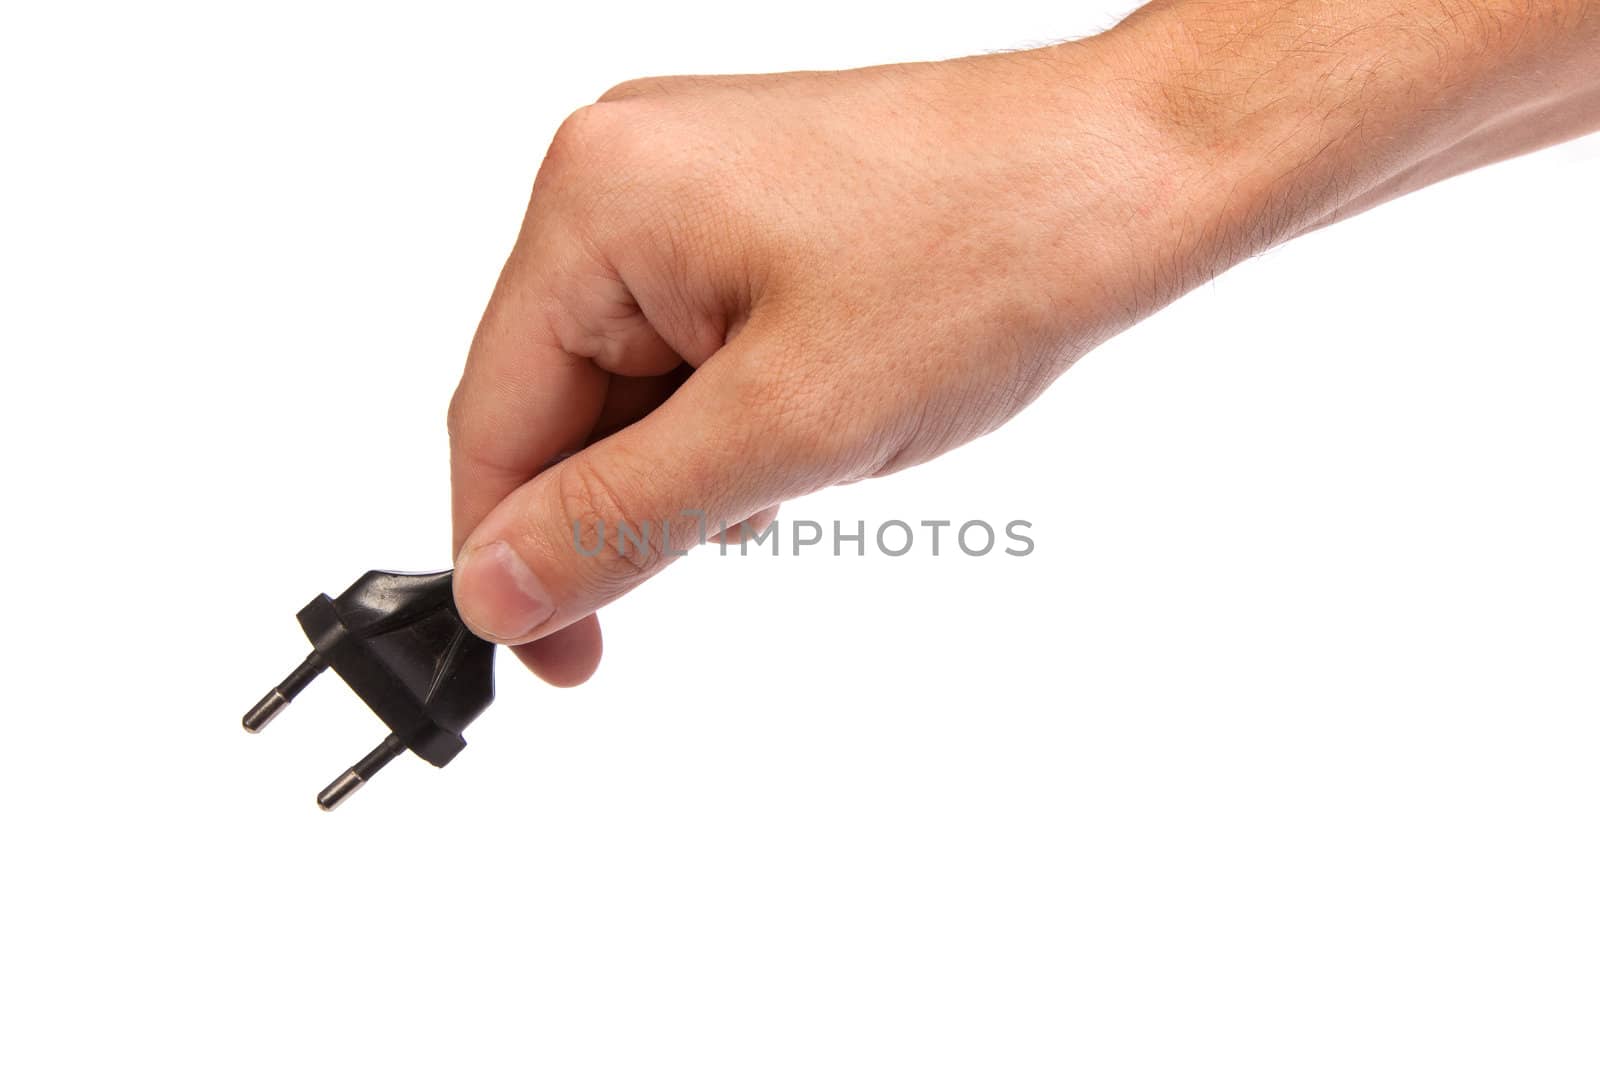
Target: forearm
pixel 1292 114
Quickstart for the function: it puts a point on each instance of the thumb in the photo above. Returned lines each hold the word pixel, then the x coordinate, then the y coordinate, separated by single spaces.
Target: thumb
pixel 592 527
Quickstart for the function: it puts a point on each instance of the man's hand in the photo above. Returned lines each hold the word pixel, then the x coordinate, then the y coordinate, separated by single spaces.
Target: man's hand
pixel 729 292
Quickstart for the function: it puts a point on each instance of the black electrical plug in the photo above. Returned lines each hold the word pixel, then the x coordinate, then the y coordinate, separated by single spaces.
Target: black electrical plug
pixel 397 641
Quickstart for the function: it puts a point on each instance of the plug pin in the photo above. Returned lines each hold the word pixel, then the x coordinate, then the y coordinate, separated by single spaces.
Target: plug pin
pixel 268 706
pixel 358 775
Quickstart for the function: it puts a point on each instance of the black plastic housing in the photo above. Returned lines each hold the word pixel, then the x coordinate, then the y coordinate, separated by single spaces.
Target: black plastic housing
pixel 397 641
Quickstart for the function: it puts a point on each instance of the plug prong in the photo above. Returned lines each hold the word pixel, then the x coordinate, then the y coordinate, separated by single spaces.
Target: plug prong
pixel 358 775
pixel 278 699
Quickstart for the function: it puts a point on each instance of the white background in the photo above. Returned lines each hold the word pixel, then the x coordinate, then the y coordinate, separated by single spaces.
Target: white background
pixel 1280 749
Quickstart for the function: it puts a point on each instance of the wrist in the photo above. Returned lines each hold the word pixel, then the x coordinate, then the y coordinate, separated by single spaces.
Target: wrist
pixel 1275 117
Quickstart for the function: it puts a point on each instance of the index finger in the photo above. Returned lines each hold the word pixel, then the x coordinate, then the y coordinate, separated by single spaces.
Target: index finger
pixel 523 399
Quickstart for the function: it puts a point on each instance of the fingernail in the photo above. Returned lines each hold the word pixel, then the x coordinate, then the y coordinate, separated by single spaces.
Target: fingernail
pixel 498 596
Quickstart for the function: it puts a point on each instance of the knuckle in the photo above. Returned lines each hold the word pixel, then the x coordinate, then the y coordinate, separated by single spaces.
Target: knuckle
pixel 591 161
pixel 602 153
pixel 473 440
pixel 455 417
pixel 590 133
pixel 635 167
pixel 619 547
pixel 634 87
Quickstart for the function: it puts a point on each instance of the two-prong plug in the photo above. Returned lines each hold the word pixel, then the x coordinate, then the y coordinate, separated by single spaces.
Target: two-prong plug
pixel 397 641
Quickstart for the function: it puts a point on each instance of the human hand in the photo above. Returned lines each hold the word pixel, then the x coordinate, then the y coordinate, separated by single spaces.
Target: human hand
pixel 730 292
pixel 863 269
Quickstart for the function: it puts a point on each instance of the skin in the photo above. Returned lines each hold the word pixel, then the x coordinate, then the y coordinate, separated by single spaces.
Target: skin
pixel 729 292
